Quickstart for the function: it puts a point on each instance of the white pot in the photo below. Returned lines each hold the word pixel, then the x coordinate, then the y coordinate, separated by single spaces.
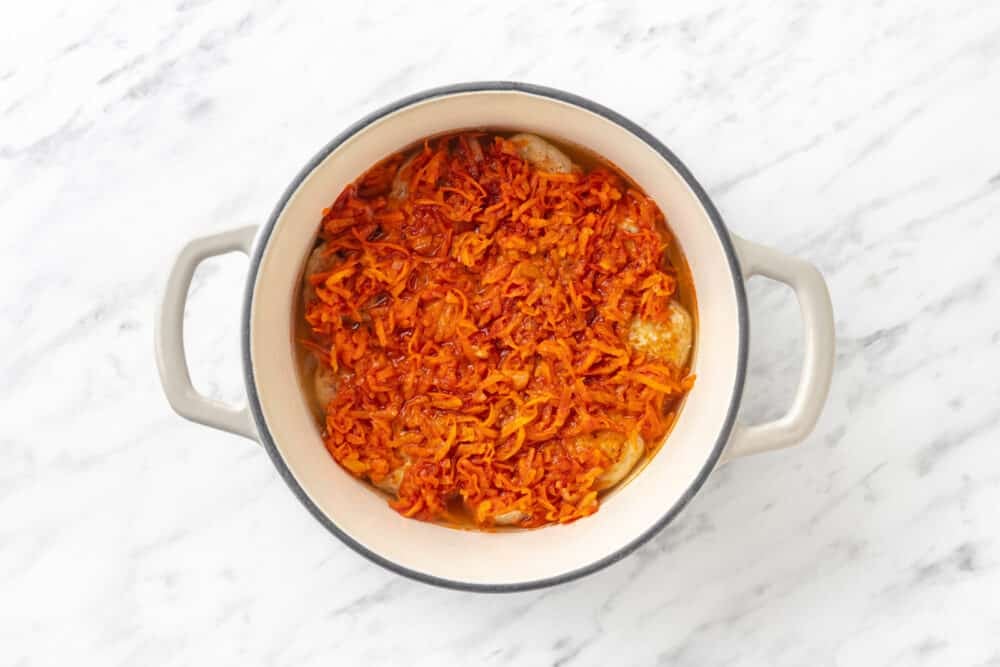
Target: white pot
pixel 706 431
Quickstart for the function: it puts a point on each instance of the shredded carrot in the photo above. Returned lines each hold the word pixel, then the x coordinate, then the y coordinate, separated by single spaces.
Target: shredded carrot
pixel 478 326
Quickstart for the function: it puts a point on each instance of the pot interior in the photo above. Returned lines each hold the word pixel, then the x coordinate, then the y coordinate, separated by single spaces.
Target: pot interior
pixel 504 558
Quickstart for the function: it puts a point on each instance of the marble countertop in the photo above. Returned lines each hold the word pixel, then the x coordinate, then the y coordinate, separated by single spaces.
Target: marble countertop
pixel 863 139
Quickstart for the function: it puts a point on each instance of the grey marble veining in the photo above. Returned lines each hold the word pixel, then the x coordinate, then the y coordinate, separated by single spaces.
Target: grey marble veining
pixel 863 138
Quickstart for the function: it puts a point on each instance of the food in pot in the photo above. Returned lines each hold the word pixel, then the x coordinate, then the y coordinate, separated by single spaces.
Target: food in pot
pixel 500 333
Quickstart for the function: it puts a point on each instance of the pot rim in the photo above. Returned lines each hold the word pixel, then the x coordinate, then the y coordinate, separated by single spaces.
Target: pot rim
pixel 263 236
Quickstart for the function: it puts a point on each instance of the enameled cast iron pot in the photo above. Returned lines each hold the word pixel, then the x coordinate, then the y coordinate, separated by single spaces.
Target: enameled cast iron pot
pixel 706 432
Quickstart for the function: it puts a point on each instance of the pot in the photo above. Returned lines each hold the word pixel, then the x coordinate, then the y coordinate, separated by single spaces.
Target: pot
pixel 706 432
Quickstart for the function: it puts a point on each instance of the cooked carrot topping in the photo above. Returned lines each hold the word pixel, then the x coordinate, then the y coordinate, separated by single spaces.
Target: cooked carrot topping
pixel 478 325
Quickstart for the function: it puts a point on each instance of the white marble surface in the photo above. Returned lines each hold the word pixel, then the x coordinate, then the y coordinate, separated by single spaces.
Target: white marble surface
pixel 864 139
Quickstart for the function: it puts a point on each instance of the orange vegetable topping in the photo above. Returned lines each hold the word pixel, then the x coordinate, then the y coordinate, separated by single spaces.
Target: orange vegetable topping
pixel 476 312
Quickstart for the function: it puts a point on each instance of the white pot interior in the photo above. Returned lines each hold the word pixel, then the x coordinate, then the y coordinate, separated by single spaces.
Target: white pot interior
pixel 508 557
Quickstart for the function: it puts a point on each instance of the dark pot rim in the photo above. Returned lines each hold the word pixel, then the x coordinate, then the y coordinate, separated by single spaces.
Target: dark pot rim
pixel 722 439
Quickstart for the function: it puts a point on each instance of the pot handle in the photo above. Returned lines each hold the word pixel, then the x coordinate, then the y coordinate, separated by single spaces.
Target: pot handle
pixel 817 367
pixel 170 356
